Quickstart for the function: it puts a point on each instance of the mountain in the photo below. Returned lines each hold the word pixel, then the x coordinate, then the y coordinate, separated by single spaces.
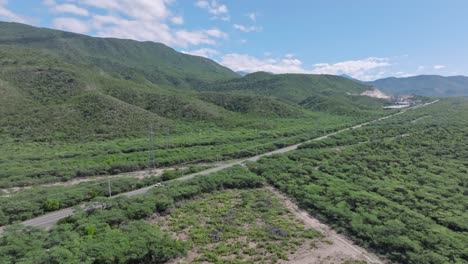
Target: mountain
pixel 61 85
pixel 57 85
pixel 351 78
pixel 427 85
pixel 242 73
pixel 128 59
pixel 329 93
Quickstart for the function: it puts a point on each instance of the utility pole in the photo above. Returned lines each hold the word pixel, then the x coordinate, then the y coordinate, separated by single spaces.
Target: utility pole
pixel 151 159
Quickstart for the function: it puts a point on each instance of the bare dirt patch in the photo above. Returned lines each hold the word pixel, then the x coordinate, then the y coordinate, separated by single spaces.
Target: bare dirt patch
pixel 338 249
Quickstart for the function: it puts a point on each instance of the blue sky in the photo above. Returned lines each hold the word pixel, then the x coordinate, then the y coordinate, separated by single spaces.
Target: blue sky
pixel 366 39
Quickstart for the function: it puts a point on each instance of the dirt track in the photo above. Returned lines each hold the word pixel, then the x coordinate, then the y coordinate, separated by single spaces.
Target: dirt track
pixel 338 250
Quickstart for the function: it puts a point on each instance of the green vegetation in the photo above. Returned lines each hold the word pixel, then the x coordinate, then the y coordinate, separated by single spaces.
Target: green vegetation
pixel 113 231
pixel 326 93
pixel 25 163
pixel 127 59
pixel 29 203
pixel 237 226
pixel 235 223
pixel 398 186
pixel 76 106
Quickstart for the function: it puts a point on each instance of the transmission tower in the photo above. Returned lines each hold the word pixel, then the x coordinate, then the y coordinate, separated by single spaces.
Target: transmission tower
pixel 151 158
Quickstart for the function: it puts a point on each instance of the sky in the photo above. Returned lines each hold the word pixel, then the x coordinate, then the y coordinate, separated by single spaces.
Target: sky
pixel 364 39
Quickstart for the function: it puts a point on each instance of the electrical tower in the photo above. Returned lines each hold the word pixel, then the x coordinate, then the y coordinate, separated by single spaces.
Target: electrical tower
pixel 151 158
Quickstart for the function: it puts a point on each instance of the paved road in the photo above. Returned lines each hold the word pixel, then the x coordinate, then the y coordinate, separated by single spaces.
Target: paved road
pixel 48 220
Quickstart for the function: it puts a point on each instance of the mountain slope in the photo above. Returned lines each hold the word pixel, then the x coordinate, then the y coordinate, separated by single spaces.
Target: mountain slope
pixel 50 94
pixel 127 59
pixel 290 87
pixel 428 85
pixel 314 92
pixel 56 85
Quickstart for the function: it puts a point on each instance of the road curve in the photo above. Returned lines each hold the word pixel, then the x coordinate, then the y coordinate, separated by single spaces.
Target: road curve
pixel 48 220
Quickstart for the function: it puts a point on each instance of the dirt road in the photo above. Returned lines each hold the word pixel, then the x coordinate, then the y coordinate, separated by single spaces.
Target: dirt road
pixel 339 249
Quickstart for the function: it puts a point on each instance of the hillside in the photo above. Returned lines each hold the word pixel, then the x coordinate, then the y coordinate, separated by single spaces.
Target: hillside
pixel 74 106
pixel 58 85
pixel 428 85
pixel 127 59
pixel 314 92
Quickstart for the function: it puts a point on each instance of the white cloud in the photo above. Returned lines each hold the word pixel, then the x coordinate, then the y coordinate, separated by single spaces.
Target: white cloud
pixel 421 67
pixel 204 52
pixel 247 63
pixel 71 24
pixel 71 9
pixel 439 67
pixel 247 29
pixel 143 20
pixel 216 33
pixel 109 26
pixel 136 9
pixel 219 11
pixel 8 15
pixel 366 69
pixel 403 74
pixel 359 69
pixel 178 20
pixel 185 38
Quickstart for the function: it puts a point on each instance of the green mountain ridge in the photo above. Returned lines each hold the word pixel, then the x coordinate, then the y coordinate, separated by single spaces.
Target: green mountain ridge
pixel 58 85
pixel 327 93
pixel 426 85
pixel 129 59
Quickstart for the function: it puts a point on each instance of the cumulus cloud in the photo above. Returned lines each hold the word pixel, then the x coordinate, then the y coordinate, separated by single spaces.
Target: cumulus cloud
pixel 359 69
pixel 204 52
pixel 144 20
pixel 247 63
pixel 219 11
pixel 136 9
pixel 439 67
pixel 8 15
pixel 247 28
pixel 366 69
pixel 71 9
pixel 71 24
